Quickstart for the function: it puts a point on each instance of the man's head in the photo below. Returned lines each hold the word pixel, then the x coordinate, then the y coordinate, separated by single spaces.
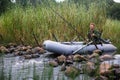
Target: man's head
pixel 92 26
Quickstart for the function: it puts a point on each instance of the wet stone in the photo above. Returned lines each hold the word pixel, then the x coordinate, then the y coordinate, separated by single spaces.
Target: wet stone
pixel 36 50
pixel 94 55
pixel 72 71
pixel 101 78
pixel 61 59
pixel 79 58
pixel 22 53
pixel 28 51
pixel 63 67
pixel 98 51
pixel 89 68
pixel 104 68
pixel 3 49
pixel 53 63
pixel 115 66
pixel 29 47
pixel 11 44
pixel 16 53
pixel 106 57
pixel 35 55
pixel 27 56
pixel 67 62
pixel 23 48
pixel 11 50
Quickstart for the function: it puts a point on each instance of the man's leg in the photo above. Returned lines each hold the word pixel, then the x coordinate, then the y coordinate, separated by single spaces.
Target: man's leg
pixel 94 42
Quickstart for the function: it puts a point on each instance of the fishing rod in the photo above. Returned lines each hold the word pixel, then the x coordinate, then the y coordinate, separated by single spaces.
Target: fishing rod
pixel 72 26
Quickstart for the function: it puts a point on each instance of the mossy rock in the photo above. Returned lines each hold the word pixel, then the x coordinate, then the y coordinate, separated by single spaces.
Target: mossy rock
pixel 72 72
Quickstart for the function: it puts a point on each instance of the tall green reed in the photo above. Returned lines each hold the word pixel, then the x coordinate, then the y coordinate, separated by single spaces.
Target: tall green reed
pixel 19 24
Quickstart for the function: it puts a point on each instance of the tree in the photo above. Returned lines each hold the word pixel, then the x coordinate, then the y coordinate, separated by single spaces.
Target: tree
pixel 113 10
pixel 4 5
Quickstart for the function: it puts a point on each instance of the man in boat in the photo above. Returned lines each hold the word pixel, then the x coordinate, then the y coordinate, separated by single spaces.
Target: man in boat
pixel 95 36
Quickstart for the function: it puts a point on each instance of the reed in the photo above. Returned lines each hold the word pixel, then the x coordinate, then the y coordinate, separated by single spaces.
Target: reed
pixel 19 24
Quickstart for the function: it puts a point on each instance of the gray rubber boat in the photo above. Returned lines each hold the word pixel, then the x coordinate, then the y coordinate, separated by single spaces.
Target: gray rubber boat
pixel 68 48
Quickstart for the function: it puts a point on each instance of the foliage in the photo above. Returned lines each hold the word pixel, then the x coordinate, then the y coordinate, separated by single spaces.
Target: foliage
pixel 114 10
pixel 4 5
pixel 19 24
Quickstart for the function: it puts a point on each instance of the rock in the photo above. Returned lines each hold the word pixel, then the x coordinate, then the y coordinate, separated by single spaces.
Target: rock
pixel 72 72
pixel 53 63
pixel 117 56
pixel 104 68
pixel 79 58
pixel 16 53
pixel 38 50
pixel 68 62
pixel 61 59
pixel 27 56
pixel 98 51
pixel 42 51
pixel 106 57
pixel 94 55
pixel 101 78
pixel 116 71
pixel 3 49
pixel 70 57
pixel 11 50
pixel 89 68
pixel 107 73
pixel 22 53
pixel 115 66
pixel 63 67
pixel 23 48
pixel 35 55
pixel 29 47
pixel 11 44
pixel 19 47
pixel 28 51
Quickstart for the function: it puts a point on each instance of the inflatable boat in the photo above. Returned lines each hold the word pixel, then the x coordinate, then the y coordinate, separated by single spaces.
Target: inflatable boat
pixel 68 48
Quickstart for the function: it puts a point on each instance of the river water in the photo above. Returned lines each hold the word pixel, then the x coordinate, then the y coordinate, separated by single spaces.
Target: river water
pixel 17 68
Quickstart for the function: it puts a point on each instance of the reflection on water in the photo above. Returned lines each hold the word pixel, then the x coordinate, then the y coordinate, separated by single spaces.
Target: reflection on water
pixel 17 68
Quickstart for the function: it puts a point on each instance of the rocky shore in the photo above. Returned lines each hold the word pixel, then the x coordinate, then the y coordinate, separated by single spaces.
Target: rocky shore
pixel 26 51
pixel 93 65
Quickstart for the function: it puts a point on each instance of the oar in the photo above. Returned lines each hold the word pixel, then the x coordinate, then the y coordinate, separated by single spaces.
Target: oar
pixel 82 47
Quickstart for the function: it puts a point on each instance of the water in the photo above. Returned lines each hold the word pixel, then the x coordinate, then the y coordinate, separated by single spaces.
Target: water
pixel 17 68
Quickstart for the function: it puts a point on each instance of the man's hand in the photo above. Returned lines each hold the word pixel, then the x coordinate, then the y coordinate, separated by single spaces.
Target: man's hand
pixel 93 35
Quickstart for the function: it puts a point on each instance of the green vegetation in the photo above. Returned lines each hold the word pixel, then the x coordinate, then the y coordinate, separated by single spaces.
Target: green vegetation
pixel 19 24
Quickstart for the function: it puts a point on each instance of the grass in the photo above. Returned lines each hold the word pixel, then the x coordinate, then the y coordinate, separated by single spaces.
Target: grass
pixel 19 24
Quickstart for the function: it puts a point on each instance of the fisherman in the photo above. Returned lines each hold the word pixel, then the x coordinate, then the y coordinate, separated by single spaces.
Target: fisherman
pixel 95 36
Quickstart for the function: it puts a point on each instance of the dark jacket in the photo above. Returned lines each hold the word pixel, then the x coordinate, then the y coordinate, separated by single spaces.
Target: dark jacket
pixel 96 36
